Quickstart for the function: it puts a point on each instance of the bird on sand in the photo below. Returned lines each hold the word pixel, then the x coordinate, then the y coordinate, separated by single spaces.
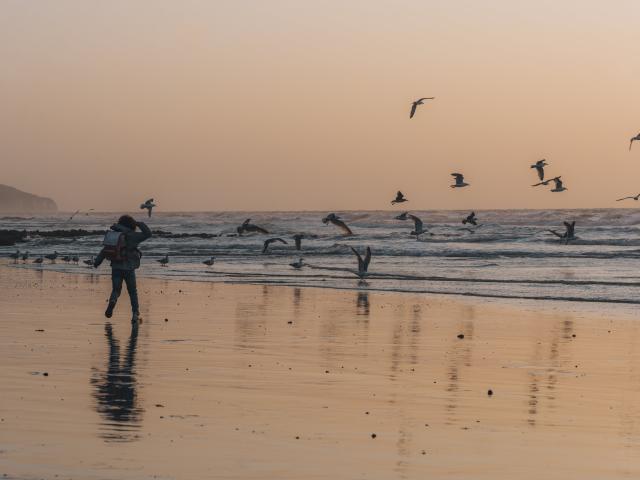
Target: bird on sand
pixel 39 260
pixel 298 239
pixel 148 205
pixel 539 166
pixel 569 233
pixel 88 262
pixel 249 227
pixel 363 264
pixel 210 261
pixel 633 139
pixel 15 256
pixel 629 198
pixel 471 218
pixel 297 265
pixel 75 259
pixel 414 105
pixel 25 256
pixel 265 245
pixel 334 219
pixel 164 261
pixel 52 256
pixel 559 186
pixel 459 181
pixel 66 258
pixel 399 198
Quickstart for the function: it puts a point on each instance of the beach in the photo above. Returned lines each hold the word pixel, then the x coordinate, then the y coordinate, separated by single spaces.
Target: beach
pixel 263 381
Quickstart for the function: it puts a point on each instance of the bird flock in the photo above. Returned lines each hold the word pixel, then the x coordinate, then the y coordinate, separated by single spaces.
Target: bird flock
pixel 470 221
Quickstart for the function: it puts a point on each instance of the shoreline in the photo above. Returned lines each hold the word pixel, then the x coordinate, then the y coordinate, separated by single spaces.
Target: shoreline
pixel 255 381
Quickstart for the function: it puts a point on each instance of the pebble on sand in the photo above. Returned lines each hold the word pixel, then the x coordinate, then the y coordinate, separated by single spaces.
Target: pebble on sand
pixel 489 392
pixel 461 336
pixel 373 435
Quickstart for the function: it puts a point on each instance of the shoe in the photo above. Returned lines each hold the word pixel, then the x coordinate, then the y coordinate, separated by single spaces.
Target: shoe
pixel 135 318
pixel 109 311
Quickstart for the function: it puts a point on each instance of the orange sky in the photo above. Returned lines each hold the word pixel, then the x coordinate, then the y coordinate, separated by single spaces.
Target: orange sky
pixel 284 105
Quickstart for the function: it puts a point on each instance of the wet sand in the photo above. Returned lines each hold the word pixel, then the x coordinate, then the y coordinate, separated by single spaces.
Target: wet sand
pixel 259 382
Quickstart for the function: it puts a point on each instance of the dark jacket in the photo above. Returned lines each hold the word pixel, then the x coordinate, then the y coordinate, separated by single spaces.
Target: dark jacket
pixel 132 240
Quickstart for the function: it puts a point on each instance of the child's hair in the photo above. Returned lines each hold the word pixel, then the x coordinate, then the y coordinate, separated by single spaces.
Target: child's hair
pixel 127 221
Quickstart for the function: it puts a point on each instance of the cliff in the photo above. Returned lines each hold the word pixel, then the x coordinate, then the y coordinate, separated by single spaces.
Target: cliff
pixel 13 200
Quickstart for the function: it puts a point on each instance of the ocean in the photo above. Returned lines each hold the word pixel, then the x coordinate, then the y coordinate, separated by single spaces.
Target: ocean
pixel 510 255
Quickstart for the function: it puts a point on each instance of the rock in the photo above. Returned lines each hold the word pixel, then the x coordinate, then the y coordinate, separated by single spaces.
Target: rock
pixel 461 336
pixel 489 392
pixel 373 435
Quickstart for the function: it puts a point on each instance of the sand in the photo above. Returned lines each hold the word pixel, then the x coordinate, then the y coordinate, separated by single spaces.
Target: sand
pixel 260 382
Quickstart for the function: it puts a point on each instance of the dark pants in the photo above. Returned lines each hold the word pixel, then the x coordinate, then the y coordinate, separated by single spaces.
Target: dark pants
pixel 129 277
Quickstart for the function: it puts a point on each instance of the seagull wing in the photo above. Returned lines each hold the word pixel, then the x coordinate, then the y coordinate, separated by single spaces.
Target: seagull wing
pixel 540 170
pixel 298 240
pixel 343 226
pixel 426 98
pixel 367 259
pixel 624 198
pixel 360 261
pixel 413 109
pixel 417 223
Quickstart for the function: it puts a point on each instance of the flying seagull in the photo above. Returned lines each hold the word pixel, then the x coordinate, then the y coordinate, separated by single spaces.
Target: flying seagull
pixel 363 265
pixel 625 198
pixel 77 212
pixel 298 239
pixel 569 233
pixel 399 198
pixel 539 166
pixel 297 265
pixel 414 105
pixel 637 137
pixel 269 241
pixel 559 187
pixel 471 218
pixel 148 205
pixel 333 218
pixel 418 226
pixel 15 256
pixel 402 216
pixel 209 262
pixel 247 226
pixel 459 180
pixel 164 260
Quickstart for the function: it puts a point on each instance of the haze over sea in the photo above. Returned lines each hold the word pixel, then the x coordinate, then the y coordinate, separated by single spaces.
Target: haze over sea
pixel 511 255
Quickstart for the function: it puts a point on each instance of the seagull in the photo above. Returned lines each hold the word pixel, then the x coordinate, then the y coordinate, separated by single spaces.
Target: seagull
pixel 418 226
pixel 471 218
pixel 88 262
pixel 38 260
pixel 333 218
pixel 297 265
pixel 363 265
pixel 66 259
pixel 164 261
pixel 52 256
pixel 25 256
pixel 210 261
pixel 265 245
pixel 559 187
pixel 399 198
pixel 15 256
pixel 569 233
pixel 415 104
pixel 459 180
pixel 625 198
pixel 73 215
pixel 148 205
pixel 539 166
pixel 247 226
pixel 298 239
pixel 75 259
pixel 402 216
pixel 637 137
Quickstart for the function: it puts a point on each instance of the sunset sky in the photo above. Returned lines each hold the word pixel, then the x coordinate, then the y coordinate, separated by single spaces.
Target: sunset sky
pixel 293 105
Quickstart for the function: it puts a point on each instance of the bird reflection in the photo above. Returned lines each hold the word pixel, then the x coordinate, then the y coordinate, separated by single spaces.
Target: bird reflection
pixel 115 390
pixel 362 303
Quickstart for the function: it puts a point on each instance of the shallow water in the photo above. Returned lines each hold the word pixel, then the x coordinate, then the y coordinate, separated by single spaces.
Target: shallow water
pixel 511 255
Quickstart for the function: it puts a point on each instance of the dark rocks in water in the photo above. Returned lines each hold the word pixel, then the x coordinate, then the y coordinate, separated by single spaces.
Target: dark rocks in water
pixel 13 200
pixel 9 238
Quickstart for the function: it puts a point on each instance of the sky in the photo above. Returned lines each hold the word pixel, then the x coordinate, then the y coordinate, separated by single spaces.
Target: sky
pixel 303 105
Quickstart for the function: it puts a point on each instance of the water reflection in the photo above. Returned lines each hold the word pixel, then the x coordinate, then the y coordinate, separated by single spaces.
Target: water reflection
pixel 115 391
pixel 362 302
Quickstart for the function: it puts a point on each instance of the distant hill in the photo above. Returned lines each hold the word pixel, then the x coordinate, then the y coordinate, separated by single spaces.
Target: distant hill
pixel 13 200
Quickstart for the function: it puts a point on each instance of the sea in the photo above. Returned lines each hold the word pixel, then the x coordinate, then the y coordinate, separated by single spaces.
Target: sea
pixel 510 255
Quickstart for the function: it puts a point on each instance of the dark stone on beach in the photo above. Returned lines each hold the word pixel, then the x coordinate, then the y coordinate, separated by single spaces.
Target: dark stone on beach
pixel 326 371
pixel 159 405
pixel 290 322
pixel 297 437
pixel 39 330
pixel 46 374
pixel 489 392
pixel 574 335
pixel 366 413
pixel 166 319
pixel 373 435
pixel 461 336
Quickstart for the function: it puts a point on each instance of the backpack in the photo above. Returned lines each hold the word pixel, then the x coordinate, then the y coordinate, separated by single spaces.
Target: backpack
pixel 114 246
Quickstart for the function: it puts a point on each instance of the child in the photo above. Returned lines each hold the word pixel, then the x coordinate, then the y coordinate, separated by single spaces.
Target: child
pixel 125 259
